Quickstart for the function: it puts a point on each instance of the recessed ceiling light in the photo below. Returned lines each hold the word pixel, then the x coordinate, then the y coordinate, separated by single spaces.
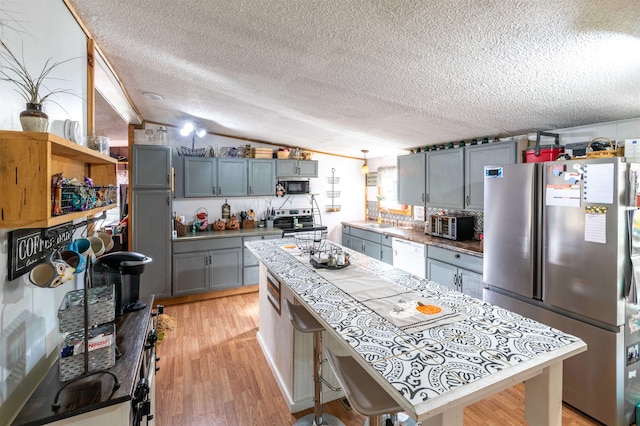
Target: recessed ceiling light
pixel 154 96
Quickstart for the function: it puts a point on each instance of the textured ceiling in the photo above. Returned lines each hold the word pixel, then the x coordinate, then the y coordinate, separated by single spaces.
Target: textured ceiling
pixel 343 75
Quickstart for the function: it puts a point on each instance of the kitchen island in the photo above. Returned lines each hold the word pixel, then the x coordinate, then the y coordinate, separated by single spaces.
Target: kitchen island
pixel 433 367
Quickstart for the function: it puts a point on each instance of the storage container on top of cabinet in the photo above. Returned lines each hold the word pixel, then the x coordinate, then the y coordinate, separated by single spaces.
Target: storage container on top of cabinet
pixel 28 161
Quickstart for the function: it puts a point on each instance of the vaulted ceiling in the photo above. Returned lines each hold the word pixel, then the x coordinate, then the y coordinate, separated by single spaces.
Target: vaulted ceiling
pixel 344 75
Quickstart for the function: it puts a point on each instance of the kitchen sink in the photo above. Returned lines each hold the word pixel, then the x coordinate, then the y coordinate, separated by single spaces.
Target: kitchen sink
pixel 380 225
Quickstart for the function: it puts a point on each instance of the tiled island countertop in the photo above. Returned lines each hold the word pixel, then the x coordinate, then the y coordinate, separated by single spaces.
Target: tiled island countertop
pixel 417 235
pixel 432 368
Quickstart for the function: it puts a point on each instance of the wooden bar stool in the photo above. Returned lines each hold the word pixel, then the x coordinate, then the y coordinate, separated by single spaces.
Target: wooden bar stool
pixel 303 321
pixel 363 392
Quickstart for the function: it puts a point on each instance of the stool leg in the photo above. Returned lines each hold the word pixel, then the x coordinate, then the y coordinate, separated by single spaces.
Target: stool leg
pixel 318 418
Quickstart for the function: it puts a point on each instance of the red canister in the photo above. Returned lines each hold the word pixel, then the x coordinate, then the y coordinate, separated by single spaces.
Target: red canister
pixel 540 153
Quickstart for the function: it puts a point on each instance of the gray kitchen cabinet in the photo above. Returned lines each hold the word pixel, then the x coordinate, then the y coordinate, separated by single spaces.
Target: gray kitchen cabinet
pixel 297 168
pixel 200 177
pixel 262 177
pixel 216 264
pixel 366 242
pixel 475 158
pixel 191 273
pixel 458 271
pixel 386 250
pixel 250 270
pixel 346 240
pixel 445 178
pixel 151 236
pixel 412 179
pixel 232 177
pixel 151 167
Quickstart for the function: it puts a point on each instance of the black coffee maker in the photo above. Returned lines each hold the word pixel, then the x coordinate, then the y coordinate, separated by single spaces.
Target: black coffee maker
pixel 122 269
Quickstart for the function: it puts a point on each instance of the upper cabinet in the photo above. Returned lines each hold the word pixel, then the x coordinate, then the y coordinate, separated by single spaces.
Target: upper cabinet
pixel 262 177
pixel 476 157
pixel 452 178
pixel 297 168
pixel 232 177
pixel 200 177
pixel 28 161
pixel 412 179
pixel 151 167
pixel 445 178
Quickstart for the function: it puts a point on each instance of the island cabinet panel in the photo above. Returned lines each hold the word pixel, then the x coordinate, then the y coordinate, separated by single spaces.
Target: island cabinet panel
pixel 28 161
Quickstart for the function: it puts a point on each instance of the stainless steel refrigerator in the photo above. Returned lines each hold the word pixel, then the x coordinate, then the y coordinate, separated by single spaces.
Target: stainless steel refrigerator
pixel 556 250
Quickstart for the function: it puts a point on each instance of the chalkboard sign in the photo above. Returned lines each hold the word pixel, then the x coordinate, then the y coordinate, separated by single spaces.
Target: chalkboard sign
pixel 27 248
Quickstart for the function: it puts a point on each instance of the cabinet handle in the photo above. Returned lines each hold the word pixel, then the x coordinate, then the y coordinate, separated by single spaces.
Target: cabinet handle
pixel 468 202
pixel 210 261
pixel 206 260
pixel 168 201
pixel 423 198
pixel 457 256
pixel 168 178
pixel 250 190
pixel 219 190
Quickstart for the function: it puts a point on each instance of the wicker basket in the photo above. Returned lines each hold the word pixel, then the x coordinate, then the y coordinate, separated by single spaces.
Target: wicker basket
pixel 101 308
pixel 71 363
pixel 283 155
pixel 613 152
pixel 181 228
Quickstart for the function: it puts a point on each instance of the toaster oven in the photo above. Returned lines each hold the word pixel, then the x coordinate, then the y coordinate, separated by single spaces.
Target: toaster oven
pixel 453 227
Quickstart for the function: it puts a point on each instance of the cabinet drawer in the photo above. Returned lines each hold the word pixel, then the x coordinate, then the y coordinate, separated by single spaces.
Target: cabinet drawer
pixel 367 235
pixel 461 260
pixel 346 229
pixel 387 240
pixel 207 244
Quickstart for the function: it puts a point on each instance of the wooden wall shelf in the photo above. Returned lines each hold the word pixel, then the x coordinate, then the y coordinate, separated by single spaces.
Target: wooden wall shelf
pixel 28 161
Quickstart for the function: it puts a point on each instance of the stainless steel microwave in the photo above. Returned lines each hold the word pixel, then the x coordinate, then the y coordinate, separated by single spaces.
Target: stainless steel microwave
pixel 452 227
pixel 295 186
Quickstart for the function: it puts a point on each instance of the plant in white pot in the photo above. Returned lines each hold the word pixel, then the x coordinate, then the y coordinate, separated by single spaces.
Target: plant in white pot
pixel 30 86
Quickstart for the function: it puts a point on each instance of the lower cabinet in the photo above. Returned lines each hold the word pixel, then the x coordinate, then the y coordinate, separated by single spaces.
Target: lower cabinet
pixel 366 242
pixel 386 250
pixel 250 270
pixel 458 271
pixel 205 265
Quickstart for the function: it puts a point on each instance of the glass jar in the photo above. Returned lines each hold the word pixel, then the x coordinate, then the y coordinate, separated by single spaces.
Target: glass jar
pixel 162 136
pixel 149 137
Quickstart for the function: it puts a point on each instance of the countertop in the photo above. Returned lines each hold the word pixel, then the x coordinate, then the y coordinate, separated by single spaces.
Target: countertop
pixel 203 235
pixel 440 368
pixel 472 247
pixel 96 391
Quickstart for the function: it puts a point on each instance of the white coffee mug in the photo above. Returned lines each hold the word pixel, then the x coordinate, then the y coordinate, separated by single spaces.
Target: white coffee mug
pixel 107 240
pixel 52 272
pixel 97 245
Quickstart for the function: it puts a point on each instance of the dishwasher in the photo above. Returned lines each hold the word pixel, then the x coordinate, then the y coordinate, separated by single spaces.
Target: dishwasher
pixel 410 257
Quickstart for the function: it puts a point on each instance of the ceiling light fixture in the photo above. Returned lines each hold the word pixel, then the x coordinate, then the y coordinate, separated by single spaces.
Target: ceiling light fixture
pixel 189 129
pixel 364 169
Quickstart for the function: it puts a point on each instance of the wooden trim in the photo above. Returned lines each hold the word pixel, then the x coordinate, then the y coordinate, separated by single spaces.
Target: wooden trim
pixel 91 88
pixel 208 295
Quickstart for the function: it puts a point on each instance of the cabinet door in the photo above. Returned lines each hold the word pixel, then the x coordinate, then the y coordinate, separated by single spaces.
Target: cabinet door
pixel 475 158
pixel 151 167
pixel 308 168
pixel 412 179
pixel 232 177
pixel 445 178
pixel 262 177
pixel 470 283
pixel 356 244
pixel 346 240
pixel 371 249
pixel 226 268
pixel 442 273
pixel 151 229
pixel 286 168
pixel 190 273
pixel 200 177
pixel 386 254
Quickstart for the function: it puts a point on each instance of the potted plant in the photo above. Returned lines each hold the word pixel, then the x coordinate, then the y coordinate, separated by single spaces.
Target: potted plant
pixel 30 86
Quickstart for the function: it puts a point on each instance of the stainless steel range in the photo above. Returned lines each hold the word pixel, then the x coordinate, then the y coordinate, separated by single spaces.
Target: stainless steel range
pixel 297 220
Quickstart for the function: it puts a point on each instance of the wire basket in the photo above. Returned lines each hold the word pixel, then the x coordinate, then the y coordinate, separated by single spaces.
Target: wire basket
pixel 333 179
pixel 185 151
pixel 74 198
pixel 101 308
pixel 311 241
pixel 102 338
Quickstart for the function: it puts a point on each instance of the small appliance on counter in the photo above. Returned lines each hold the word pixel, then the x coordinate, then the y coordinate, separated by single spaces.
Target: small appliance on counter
pixel 453 227
pixel 123 270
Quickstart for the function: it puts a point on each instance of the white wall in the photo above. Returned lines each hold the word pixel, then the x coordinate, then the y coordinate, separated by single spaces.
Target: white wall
pixel 28 314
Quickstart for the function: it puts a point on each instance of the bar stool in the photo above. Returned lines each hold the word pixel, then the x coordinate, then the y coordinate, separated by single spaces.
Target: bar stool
pixel 303 321
pixel 363 392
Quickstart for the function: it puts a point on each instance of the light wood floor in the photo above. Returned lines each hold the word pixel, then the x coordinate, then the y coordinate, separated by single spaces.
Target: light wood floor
pixel 213 372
